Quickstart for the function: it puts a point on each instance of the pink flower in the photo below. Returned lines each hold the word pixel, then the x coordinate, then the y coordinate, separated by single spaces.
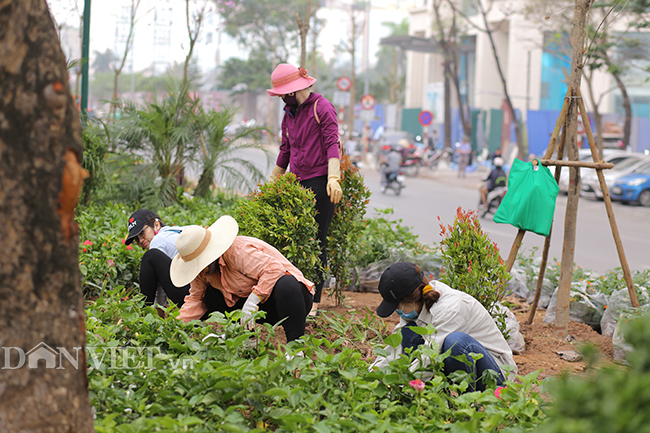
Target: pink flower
pixel 87 242
pixel 123 241
pixel 417 385
pixel 129 247
pixel 111 262
pixel 497 392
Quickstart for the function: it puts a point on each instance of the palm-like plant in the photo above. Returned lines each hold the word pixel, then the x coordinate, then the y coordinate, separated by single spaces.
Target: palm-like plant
pixel 172 134
pixel 225 159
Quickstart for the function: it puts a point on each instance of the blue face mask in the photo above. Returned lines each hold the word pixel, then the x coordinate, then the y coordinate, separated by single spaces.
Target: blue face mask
pixel 409 317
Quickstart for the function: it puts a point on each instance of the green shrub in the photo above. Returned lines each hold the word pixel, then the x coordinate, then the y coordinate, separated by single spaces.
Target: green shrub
pixel 104 261
pixel 380 235
pixel 95 141
pixel 148 374
pixel 345 231
pixel 472 263
pixel 282 214
pixel 612 399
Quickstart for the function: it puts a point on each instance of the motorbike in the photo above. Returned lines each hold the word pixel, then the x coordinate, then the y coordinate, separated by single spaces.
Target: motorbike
pixel 432 158
pixel 493 201
pixel 395 182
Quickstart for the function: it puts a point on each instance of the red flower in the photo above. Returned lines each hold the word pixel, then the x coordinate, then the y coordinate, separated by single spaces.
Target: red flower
pixel 417 385
pixel 129 247
pixel 87 242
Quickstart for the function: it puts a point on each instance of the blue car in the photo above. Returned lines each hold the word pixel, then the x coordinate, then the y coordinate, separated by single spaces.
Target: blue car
pixel 634 187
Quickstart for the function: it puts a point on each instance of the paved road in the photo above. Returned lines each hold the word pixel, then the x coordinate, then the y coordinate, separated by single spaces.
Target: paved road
pixel 438 194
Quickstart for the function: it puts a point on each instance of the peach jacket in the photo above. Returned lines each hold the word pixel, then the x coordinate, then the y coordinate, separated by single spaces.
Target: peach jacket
pixel 250 265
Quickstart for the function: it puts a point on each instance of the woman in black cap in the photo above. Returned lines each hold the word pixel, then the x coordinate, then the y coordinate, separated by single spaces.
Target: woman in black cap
pixel 148 231
pixel 463 325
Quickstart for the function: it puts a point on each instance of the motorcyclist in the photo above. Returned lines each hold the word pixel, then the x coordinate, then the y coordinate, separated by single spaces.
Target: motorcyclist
pixel 495 179
pixel 391 166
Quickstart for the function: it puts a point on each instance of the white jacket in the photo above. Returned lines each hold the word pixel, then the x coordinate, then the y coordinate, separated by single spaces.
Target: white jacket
pixel 457 311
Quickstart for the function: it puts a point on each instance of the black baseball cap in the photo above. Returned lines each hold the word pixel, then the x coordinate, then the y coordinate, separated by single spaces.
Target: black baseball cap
pixel 137 222
pixel 397 282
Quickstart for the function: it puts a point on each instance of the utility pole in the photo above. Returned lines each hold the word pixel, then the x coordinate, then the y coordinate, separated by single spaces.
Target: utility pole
pixel 85 45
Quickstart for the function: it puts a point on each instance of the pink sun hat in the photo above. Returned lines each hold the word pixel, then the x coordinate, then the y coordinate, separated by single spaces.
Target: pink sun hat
pixel 288 79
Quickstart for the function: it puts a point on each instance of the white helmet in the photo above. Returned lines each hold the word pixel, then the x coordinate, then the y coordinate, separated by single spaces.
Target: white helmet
pixel 498 162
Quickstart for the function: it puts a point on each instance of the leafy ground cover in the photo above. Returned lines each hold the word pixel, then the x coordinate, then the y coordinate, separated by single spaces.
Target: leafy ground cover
pixel 148 373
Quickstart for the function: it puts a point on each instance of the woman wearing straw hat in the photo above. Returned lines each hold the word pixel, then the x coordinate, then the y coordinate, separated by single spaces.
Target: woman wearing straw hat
pixel 158 240
pixel 310 145
pixel 227 272
pixel 463 326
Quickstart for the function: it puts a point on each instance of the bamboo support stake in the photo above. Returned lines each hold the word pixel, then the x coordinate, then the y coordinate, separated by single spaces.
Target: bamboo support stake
pixel 610 211
pixel 594 165
pixel 515 248
pixel 558 126
pixel 547 240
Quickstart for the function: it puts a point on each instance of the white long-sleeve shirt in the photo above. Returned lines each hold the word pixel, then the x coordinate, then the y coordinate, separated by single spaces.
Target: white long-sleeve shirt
pixel 457 311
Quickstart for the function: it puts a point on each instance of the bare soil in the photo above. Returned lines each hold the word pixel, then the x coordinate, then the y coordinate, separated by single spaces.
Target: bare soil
pixel 542 344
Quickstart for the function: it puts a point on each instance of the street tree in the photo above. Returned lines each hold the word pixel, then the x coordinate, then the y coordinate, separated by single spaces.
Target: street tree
pixel 488 29
pixel 349 46
pixel 613 49
pixel 118 65
pixel 193 22
pixel 447 35
pixel 389 78
pixel 42 311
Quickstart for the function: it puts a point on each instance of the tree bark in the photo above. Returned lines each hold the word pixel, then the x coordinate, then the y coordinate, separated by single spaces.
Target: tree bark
pixel 449 50
pixel 303 31
pixel 568 246
pixel 627 106
pixel 598 118
pixel 40 181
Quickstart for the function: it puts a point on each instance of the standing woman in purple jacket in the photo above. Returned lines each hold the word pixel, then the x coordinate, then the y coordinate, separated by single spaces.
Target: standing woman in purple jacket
pixel 310 145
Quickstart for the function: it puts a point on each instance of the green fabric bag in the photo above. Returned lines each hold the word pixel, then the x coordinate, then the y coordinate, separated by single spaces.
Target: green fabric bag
pixel 529 203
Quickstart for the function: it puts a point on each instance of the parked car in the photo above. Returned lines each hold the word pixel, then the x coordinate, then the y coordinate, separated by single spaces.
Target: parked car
pixel 634 188
pixel 590 187
pixel 610 155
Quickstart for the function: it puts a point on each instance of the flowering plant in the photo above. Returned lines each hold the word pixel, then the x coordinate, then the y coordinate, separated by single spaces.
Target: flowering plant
pixel 472 263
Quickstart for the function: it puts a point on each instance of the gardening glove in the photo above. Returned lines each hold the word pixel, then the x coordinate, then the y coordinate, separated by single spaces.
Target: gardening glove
pixel 333 180
pixel 277 171
pixel 249 308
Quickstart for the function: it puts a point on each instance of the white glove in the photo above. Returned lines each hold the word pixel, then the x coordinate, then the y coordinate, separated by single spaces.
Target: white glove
pixel 248 309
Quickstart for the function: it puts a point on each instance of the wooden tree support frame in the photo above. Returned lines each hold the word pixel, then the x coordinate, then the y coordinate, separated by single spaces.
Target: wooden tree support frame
pixel 599 166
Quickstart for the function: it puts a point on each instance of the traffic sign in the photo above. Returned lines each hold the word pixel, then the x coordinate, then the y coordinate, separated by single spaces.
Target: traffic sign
pixel 341 99
pixel 425 118
pixel 344 83
pixel 367 102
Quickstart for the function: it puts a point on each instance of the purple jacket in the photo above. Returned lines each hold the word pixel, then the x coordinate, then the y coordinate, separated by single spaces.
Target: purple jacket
pixel 306 144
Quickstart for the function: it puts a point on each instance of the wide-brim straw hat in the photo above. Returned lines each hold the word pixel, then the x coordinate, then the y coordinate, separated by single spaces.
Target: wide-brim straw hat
pixel 198 247
pixel 288 79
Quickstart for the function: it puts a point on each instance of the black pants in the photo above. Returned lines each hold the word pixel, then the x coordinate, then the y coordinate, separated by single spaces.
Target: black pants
pixel 324 214
pixel 289 298
pixel 154 272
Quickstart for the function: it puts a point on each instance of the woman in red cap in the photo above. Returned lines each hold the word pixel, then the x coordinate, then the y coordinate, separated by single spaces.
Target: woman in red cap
pixel 310 145
pixel 463 326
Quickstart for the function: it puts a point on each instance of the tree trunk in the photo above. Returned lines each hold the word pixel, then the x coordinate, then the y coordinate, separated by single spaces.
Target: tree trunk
pixel 303 30
pixel 449 49
pixel 40 285
pixel 520 143
pixel 447 108
pixel 568 246
pixel 598 118
pixel 627 106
